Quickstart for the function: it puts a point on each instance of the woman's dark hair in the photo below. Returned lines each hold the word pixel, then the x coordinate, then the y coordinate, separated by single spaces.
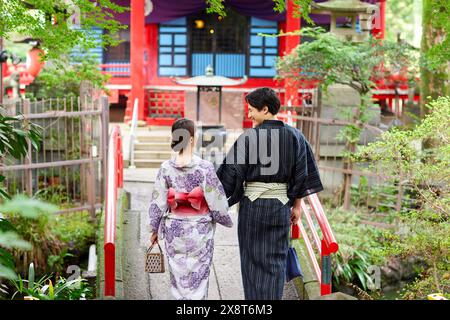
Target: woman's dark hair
pixel 261 97
pixel 182 130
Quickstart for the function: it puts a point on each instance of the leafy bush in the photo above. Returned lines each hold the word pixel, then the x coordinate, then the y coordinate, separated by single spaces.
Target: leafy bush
pixel 75 230
pixel 55 194
pixel 424 230
pixel 56 82
pixel 29 220
pixel 54 238
pixel 44 289
pixel 357 242
pixel 13 141
pixel 22 228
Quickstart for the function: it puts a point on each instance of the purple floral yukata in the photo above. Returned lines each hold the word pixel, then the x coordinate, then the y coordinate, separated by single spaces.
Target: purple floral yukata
pixel 189 240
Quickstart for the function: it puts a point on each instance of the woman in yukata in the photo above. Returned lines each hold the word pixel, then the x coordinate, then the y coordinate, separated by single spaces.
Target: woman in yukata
pixel 187 201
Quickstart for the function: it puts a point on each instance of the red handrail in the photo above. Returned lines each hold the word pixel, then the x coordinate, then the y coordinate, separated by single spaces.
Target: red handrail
pixel 114 180
pixel 325 247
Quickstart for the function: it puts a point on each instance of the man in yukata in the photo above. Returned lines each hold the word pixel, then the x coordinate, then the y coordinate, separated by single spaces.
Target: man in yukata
pixel 267 171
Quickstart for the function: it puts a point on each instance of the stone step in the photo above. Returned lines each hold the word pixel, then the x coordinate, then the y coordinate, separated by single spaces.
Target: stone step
pixel 153 163
pixel 152 146
pixel 161 137
pixel 149 155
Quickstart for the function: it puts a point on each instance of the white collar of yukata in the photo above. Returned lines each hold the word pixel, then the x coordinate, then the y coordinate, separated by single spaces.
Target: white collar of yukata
pixel 194 161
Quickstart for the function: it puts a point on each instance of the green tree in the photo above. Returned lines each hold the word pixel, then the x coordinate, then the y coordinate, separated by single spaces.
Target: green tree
pixel 435 46
pixel 50 22
pixel 403 19
pixel 424 226
pixel 330 60
pixel 57 82
pixel 302 8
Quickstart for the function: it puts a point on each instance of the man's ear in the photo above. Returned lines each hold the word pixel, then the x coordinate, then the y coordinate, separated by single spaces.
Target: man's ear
pixel 266 110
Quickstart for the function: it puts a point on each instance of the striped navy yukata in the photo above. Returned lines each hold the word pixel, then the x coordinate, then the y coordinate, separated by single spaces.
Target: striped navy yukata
pixel 263 225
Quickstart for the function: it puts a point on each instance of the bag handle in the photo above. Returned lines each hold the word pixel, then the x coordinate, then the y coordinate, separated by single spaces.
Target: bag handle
pixel 153 244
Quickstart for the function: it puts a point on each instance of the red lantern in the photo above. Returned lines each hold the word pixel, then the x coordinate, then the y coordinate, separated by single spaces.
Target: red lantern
pixel 34 63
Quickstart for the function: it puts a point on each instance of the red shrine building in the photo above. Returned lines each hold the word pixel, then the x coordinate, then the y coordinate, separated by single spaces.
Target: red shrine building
pixel 168 40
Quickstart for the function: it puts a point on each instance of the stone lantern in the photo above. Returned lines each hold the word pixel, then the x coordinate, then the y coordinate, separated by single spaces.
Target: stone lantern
pixel 351 10
pixel 211 135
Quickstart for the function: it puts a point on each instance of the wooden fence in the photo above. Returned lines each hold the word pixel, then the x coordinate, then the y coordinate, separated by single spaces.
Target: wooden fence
pixel 69 167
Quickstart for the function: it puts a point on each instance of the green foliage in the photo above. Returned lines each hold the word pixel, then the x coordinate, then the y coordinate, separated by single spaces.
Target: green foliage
pixel 13 140
pixel 75 230
pixel 49 21
pixel 10 234
pixel 357 243
pixel 403 19
pixel 436 14
pixel 56 82
pixel 425 228
pixel 33 233
pixel 435 50
pixel 44 289
pixel 13 135
pixel 55 194
pixel 216 6
pixel 381 197
pixel 301 8
pixel 31 218
pixel 22 206
pixel 331 60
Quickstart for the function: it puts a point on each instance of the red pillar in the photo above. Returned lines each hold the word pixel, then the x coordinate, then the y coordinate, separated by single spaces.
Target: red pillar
pixel 379 28
pixel 290 42
pixel 137 42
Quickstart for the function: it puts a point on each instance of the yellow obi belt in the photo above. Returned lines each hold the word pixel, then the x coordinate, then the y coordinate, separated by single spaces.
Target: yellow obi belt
pixel 264 190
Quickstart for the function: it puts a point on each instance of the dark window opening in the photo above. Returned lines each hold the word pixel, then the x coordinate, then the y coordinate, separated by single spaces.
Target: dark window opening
pixel 218 41
pixel 121 52
pixel 214 34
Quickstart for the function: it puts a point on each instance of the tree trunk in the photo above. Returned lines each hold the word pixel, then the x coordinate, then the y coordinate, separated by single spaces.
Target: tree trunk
pixel 434 83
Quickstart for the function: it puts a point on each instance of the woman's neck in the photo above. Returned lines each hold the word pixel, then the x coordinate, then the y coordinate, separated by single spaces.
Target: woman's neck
pixel 183 158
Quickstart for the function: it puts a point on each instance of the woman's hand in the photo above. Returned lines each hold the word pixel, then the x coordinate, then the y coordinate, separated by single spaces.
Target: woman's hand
pixel 154 238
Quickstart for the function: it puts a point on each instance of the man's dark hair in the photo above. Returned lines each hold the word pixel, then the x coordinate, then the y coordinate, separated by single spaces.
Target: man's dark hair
pixel 181 129
pixel 261 97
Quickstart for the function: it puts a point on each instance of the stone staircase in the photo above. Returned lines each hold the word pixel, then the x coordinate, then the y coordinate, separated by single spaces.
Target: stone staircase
pixel 152 149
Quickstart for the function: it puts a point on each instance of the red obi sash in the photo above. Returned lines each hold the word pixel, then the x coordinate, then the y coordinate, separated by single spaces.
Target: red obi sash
pixel 186 203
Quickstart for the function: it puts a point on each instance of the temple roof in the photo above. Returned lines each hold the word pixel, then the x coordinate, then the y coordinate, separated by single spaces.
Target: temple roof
pixel 166 10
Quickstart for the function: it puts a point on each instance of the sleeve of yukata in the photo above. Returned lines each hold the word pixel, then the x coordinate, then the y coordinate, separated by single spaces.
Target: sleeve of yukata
pixel 232 171
pixel 158 203
pixel 216 198
pixel 307 178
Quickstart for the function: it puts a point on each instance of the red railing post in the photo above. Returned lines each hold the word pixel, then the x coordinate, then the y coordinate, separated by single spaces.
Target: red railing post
pixel 114 180
pixel 325 283
pixel 325 247
pixel 110 270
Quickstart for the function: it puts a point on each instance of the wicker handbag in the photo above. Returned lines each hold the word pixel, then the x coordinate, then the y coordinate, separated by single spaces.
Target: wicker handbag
pixel 154 262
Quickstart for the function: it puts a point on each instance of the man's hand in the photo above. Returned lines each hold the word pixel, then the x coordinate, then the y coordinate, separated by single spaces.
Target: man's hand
pixel 295 215
pixel 154 238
